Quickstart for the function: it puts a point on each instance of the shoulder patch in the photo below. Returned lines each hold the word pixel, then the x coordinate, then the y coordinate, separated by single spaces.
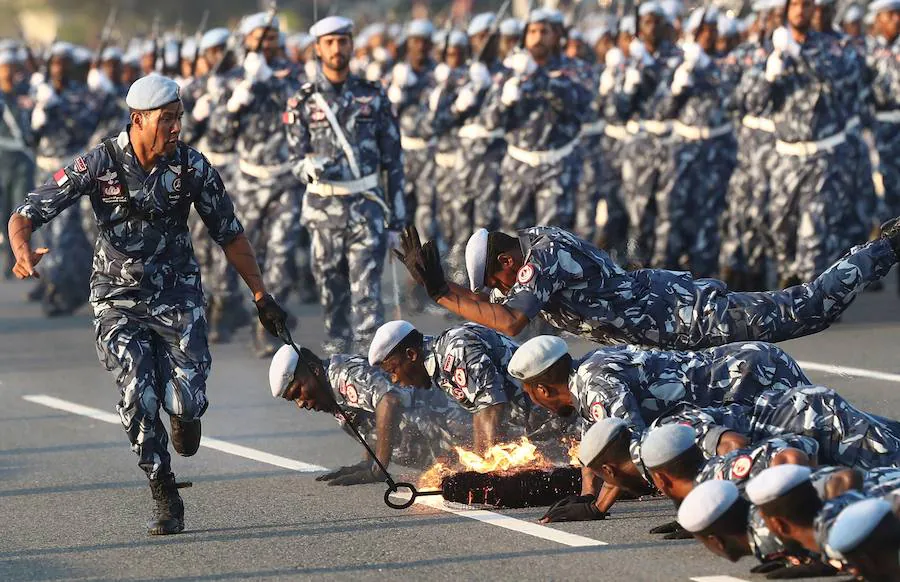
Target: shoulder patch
pixel 459 376
pixel 525 274
pixel 448 362
pixel 351 394
pixel 288 118
pixel 80 165
pixel 597 412
pixel 741 467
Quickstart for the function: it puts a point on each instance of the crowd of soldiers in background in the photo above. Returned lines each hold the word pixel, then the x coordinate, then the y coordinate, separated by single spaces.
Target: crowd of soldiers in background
pixel 697 141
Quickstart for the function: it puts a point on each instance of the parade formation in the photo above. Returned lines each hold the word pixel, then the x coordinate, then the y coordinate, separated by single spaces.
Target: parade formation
pixel 682 188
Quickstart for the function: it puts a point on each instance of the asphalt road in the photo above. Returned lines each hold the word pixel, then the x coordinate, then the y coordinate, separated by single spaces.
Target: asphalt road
pixel 73 503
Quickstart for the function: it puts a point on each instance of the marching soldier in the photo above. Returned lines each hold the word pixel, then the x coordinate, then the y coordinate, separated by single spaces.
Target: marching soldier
pixel 342 135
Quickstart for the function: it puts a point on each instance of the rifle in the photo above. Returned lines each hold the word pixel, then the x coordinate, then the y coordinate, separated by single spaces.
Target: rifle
pixel 197 37
pixel 272 9
pixel 448 28
pixel 494 31
pixel 105 36
pixel 154 38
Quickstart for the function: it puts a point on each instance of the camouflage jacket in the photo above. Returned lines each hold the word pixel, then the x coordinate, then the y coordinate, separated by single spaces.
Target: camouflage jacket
pixel 70 122
pixel 144 260
pixel 19 134
pixel 413 109
pixel 741 465
pixel 704 103
pixel 643 102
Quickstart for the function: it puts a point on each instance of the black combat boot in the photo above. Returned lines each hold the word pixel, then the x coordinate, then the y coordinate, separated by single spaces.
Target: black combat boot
pixel 168 515
pixel 185 436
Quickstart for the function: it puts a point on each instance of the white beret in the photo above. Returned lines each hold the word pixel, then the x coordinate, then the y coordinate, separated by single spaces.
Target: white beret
pixel 672 8
pixel 710 16
pixel 258 20
pixel 665 443
pixel 214 37
pixel 651 8
pixel 823 2
pixel 536 355
pixel 541 15
pixel 476 258
pixel 111 53
pixel 458 38
pixel 706 503
pixel 374 29
pixel 132 59
pixel 82 55
pixel 300 40
pixel 627 25
pixel 727 26
pixel 480 23
pixel 511 27
pixel 775 482
pixel 394 30
pixel 855 523
pixel 386 339
pixel 884 6
pixel 853 14
pixel 594 35
pixel 281 370
pixel 62 49
pixel 598 437
pixel 420 27
pixel 575 34
pixel 188 48
pixel 331 25
pixel 438 36
pixel 171 53
pixel 8 57
pixel 152 92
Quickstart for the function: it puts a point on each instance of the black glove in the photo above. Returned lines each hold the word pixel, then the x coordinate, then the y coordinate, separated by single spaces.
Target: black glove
pixel 369 474
pixel 568 501
pixel 272 316
pixel 574 511
pixel 433 273
pixel 673 531
pixel 345 471
pixel 811 569
pixel 767 567
pixel 410 253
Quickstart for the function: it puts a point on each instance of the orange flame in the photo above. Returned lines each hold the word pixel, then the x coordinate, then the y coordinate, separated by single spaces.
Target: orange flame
pixel 500 457
pixel 573 452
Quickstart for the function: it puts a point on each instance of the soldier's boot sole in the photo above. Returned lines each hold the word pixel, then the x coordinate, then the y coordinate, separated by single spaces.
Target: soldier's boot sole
pixel 185 436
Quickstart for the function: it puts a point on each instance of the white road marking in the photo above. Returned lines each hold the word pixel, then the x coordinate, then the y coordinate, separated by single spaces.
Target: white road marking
pixel 847 371
pixel 499 520
pixel 717 579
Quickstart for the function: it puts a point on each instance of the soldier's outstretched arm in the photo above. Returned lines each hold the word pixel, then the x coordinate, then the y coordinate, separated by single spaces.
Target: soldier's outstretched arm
pixel 387 423
pixel 240 255
pixel 20 240
pixel 479 309
pixel 486 427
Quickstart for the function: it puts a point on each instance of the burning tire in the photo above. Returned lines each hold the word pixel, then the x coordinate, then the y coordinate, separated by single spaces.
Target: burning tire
pixel 512 488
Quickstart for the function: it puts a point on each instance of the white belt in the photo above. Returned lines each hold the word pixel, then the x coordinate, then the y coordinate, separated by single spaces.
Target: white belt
pixel 535 159
pixel 218 159
pixel 809 148
pixel 263 172
pixel 650 126
pixel 49 164
pixel 323 188
pixel 619 132
pixel 595 128
pixel 691 133
pixel 888 116
pixel 758 123
pixel 448 160
pixel 413 143
pixel 475 131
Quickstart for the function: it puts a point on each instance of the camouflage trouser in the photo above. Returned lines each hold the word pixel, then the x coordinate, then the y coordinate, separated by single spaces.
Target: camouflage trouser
pixel 158 360
pixel 270 213
pixel 16 180
pixel 846 435
pixel 543 195
pixel 645 168
pixel 220 280
pixel 690 204
pixel 809 204
pixel 746 220
pixel 775 316
pixel 418 167
pixel 588 194
pixel 475 206
pixel 887 142
pixel 614 235
pixel 860 201
pixel 348 261
pixel 66 269
pixel 447 188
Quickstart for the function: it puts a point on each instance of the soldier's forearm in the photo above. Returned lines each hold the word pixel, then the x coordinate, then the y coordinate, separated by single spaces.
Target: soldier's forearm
pixel 607 497
pixel 387 419
pixel 20 229
pixel 487 427
pixel 479 309
pixel 590 482
pixel 241 256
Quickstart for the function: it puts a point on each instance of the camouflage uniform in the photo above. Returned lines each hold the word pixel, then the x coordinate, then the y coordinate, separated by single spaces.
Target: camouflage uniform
pixel 741 465
pixel 610 157
pixel 813 221
pixel 577 288
pixel 66 269
pixel 145 286
pixel 883 67
pixel 430 424
pixel 542 166
pixel 16 164
pixel 348 230
pixel 418 151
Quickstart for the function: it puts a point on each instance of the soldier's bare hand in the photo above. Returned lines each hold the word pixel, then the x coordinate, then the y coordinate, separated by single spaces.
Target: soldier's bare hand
pixel 25 264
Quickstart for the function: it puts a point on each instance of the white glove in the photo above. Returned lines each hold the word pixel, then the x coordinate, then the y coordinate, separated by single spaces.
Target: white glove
pixel 309 67
pixel 511 92
pixel 241 97
pixel 202 108
pixel 98 82
pixel 36 79
pixel 395 94
pixel 774 67
pixel 614 58
pixel 639 53
pixel 783 42
pixel 256 68
pixel 682 79
pixel 522 63
pixel 465 98
pixel 479 75
pixel 373 72
pixel 310 169
pixel 441 73
pixel 607 81
pixel 434 99
pixel 38 118
pixel 694 56
pixel 381 55
pixel 632 80
pixel 214 86
pixel 44 94
pixel 402 75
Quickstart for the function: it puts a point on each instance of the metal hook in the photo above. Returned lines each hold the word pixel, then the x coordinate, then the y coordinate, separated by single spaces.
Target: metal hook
pixel 414 493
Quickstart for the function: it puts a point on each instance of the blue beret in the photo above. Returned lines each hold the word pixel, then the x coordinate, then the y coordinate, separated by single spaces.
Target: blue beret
pixel 188 48
pixel 511 27
pixel 331 25
pixel 258 20
pixel 301 40
pixel 81 55
pixel 111 53
pixel 386 339
pixel 776 482
pixel 853 14
pixel 480 23
pixel 420 27
pixel 706 503
pixel 666 443
pixel 651 8
pixel 884 6
pixel 855 523
pixel 598 437
pixel 61 49
pixel 8 57
pixel 152 92
pixel 628 25
pixel 458 38
pixel 535 356
pixel 709 16
pixel 214 37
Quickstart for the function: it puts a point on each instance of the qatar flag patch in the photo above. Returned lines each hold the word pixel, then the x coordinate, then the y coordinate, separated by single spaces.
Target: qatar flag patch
pixel 287 117
pixel 61 177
